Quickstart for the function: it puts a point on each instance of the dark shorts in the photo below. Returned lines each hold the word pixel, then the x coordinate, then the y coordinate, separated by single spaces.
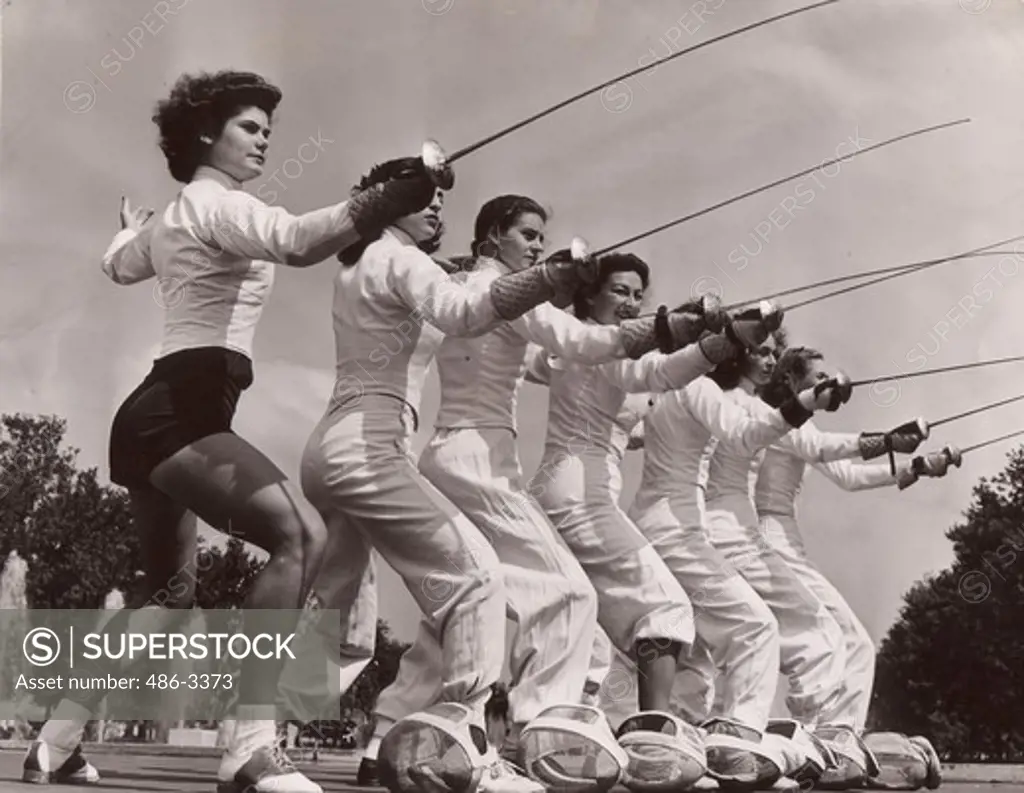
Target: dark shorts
pixel 187 395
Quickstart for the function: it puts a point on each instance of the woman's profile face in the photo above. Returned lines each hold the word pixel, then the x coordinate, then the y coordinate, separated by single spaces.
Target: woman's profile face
pixel 521 246
pixel 241 148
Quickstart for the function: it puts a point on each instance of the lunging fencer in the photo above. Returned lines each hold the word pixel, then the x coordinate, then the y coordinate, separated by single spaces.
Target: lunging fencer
pixel 473 460
pixel 736 631
pixel 212 252
pixel 779 481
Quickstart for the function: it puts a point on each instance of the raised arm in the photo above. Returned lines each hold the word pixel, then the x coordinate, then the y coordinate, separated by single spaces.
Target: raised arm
pixel 656 372
pixel 751 424
pixel 562 334
pixel 860 476
pixel 127 260
pixel 247 227
pixel 814 446
pixel 853 476
pixel 471 304
pixel 455 304
pixel 731 423
pixel 244 226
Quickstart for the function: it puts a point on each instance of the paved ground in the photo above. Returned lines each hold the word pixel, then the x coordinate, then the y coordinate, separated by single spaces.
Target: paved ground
pixel 147 774
pixel 144 773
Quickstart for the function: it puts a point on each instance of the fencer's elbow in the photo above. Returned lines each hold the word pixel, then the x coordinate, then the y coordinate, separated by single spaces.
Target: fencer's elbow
pixel 116 275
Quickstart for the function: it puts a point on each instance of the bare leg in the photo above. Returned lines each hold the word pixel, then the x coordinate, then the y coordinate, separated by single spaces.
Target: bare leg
pixel 169 540
pixel 235 488
pixel 168 534
pixel 657 660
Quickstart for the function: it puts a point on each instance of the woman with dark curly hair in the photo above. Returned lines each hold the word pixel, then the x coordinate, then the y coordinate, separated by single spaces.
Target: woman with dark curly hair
pixel 213 251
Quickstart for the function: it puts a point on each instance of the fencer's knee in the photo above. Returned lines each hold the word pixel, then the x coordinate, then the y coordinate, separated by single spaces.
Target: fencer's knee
pixel 580 597
pixel 312 531
pixel 582 594
pixel 764 626
pixel 483 582
pixel 833 635
pixel 862 648
pixel 301 533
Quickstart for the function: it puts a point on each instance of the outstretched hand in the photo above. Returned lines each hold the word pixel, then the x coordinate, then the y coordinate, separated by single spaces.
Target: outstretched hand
pixel 134 219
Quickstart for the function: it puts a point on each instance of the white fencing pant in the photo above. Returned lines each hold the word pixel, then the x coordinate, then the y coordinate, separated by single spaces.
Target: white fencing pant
pixel 811 649
pixel 783 533
pixel 358 471
pixel 549 597
pixel 637 595
pixel 600 682
pixel 737 631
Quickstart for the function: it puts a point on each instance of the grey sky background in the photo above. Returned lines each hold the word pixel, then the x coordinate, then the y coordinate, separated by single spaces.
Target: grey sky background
pixel 365 81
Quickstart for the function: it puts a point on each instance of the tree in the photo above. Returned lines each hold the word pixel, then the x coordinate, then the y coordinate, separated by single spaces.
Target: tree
pixel 378 675
pixel 78 536
pixel 75 534
pixel 951 667
pixel 224 576
pixel 79 541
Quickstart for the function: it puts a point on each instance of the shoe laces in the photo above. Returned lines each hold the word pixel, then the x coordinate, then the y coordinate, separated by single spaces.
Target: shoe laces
pixel 504 769
pixel 280 760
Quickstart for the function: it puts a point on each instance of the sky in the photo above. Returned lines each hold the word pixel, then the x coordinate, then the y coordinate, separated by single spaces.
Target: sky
pixel 367 81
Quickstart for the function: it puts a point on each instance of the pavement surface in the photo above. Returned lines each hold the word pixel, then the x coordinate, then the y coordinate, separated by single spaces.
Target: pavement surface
pixel 144 774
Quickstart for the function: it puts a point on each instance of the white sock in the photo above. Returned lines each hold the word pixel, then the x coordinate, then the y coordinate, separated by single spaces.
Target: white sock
pixel 256 713
pixel 382 728
pixel 225 732
pixel 64 729
pixel 248 736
